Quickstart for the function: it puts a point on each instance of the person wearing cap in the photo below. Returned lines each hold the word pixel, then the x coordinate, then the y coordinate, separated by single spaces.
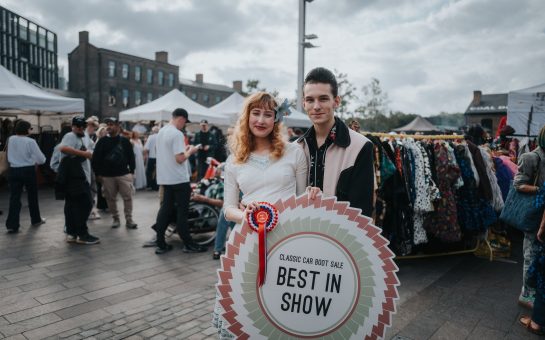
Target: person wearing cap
pixel 207 148
pixel 114 163
pixel 23 156
pixel 173 174
pixel 77 195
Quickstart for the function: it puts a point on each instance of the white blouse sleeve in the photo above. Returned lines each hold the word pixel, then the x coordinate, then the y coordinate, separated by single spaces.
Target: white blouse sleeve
pixel 231 189
pixel 301 171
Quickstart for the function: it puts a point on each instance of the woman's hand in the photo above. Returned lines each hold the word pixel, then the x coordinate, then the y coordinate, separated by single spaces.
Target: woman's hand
pixel 313 192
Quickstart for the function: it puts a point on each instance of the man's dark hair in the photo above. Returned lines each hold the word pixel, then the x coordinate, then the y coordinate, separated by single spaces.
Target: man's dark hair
pixel 324 76
pixel 22 127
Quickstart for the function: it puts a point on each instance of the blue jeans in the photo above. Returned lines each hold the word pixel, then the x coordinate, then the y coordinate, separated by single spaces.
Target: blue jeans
pixel 221 232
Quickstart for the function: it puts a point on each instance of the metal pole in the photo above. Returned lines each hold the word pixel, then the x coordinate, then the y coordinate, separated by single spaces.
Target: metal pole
pixel 301 55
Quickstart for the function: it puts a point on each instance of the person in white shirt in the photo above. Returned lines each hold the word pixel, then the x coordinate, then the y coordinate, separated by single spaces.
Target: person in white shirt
pixel 173 175
pixel 150 153
pixel 23 155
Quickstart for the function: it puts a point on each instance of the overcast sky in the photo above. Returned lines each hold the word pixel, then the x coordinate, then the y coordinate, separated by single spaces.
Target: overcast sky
pixel 429 55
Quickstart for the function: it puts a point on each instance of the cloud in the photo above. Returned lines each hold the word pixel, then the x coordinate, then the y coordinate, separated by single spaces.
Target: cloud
pixel 429 55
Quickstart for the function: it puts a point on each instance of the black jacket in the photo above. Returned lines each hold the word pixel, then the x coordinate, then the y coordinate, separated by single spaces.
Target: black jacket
pixel 70 178
pixel 122 164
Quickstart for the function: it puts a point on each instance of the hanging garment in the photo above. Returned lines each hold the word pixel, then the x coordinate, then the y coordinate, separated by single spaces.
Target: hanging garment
pixel 475 214
pixel 442 224
pixel 504 175
pixel 497 199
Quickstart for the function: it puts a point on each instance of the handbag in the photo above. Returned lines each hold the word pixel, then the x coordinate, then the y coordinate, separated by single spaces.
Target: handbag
pixel 520 209
pixel 4 164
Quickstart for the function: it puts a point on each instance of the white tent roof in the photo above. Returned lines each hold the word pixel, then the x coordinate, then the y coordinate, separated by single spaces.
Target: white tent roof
pixel 162 107
pixel 229 107
pixel 232 106
pixel 526 110
pixel 22 97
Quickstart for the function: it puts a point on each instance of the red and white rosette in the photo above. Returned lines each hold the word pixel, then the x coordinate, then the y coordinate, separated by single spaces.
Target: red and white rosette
pixel 263 220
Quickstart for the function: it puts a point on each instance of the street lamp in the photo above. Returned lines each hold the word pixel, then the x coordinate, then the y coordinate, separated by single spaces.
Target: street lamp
pixel 302 44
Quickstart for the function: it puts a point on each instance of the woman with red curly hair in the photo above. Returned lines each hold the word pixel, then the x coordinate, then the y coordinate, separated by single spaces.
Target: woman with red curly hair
pixel 262 166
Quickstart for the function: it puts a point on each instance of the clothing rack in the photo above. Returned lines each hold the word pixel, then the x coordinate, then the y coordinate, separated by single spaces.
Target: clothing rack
pixel 479 241
pixel 402 135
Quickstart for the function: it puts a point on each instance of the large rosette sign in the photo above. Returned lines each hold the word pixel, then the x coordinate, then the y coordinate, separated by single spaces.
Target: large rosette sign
pixel 329 274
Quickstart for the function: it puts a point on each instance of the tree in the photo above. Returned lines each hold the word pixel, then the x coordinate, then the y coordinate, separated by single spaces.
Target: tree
pixel 347 93
pixel 375 101
pixel 252 86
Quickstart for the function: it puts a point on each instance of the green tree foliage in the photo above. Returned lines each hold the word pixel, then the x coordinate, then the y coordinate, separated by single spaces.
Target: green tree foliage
pixel 374 102
pixel 347 93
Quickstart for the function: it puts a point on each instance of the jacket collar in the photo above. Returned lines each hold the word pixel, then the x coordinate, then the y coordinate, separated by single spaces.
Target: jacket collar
pixel 342 138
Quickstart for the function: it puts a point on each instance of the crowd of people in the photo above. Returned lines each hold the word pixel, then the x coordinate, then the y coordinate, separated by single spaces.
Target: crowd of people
pixel 95 162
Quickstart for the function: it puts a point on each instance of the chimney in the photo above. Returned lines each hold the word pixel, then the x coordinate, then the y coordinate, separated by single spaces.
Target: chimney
pixel 84 37
pixel 237 85
pixel 161 56
pixel 477 98
pixel 199 78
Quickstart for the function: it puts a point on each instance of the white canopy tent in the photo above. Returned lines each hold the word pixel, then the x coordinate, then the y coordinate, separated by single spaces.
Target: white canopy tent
pixel 232 106
pixel 526 110
pixel 161 109
pixel 21 96
pixel 229 107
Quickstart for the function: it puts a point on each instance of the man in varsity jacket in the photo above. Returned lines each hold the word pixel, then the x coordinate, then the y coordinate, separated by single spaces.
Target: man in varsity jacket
pixel 340 160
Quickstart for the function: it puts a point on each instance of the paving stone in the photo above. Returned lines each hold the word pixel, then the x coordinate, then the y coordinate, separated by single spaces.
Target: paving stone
pixel 60 295
pixel 68 333
pixel 82 308
pixel 105 335
pixel 210 331
pixel 29 324
pixel 43 309
pixel 159 337
pixel 64 325
pixel 89 333
pixel 120 329
pixel 148 333
pixel 97 294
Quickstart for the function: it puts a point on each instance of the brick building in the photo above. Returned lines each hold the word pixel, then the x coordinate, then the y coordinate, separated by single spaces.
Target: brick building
pixel 28 49
pixel 486 110
pixel 207 94
pixel 111 81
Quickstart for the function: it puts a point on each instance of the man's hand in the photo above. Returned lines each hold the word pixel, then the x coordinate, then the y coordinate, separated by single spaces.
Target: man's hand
pixel 541 234
pixel 87 154
pixel 198 198
pixel 313 192
pixel 190 150
pixel 206 147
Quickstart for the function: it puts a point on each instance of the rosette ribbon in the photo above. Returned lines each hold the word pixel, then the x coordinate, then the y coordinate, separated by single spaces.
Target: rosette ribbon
pixel 262 220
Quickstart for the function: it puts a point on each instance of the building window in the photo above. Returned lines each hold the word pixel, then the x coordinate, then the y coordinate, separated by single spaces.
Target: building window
pixel 487 124
pixel 112 97
pixel 111 68
pixel 205 98
pixel 125 93
pixel 171 79
pixel 23 33
pixel 137 98
pixel 150 76
pixel 137 73
pixel 218 99
pixel 160 78
pixel 33 32
pixel 125 71
pixel 41 36
pixel 194 96
pixel 150 97
pixel 50 41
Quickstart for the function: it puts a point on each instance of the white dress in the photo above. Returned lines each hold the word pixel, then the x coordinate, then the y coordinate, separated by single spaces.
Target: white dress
pixel 139 170
pixel 261 179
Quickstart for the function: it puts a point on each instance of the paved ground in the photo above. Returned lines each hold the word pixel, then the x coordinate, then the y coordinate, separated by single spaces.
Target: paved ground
pixel 115 290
